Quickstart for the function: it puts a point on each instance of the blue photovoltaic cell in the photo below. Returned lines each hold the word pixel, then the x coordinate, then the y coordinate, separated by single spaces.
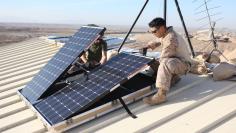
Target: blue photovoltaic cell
pixel 82 93
pixel 60 62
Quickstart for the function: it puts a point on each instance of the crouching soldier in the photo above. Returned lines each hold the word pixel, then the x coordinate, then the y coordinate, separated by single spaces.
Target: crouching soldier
pixel 95 56
pixel 175 59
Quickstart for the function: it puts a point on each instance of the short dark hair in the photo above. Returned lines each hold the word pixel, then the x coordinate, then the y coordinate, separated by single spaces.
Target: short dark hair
pixel 92 25
pixel 157 22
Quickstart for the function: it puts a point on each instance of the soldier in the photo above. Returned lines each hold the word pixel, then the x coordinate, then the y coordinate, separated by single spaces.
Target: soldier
pixel 96 55
pixel 175 59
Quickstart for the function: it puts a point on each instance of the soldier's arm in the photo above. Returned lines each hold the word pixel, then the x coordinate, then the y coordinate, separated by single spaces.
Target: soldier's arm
pixel 104 57
pixel 104 54
pixel 153 44
pixel 83 58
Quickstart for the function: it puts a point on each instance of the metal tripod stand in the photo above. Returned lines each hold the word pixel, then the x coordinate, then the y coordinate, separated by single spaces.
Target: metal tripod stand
pixel 164 16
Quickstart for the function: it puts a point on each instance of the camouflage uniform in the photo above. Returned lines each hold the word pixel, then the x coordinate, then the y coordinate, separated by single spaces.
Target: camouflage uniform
pixel 174 60
pixel 93 55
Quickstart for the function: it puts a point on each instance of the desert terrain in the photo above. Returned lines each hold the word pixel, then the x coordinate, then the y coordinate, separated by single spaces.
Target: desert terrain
pixel 17 32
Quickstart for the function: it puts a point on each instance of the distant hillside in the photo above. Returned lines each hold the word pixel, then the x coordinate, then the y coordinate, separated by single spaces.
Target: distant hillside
pixel 16 32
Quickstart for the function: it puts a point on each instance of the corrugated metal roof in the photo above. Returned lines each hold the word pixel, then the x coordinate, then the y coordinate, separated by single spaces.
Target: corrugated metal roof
pixel 19 62
pixel 195 104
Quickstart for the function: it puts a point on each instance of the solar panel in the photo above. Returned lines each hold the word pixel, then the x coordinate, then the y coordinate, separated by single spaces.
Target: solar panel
pixel 83 92
pixel 61 62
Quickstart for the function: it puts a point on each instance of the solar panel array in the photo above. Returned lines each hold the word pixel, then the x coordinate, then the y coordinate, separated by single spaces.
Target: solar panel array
pixel 82 93
pixel 60 62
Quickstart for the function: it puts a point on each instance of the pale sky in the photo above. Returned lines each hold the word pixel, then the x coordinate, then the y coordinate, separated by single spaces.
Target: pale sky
pixel 111 12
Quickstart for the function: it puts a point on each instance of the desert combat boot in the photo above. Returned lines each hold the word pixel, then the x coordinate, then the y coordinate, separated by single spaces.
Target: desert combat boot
pixel 158 98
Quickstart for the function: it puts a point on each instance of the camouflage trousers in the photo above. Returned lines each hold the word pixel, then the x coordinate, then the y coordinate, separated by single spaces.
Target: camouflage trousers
pixel 167 68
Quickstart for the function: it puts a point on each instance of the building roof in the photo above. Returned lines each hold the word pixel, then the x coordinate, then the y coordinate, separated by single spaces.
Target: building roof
pixel 195 104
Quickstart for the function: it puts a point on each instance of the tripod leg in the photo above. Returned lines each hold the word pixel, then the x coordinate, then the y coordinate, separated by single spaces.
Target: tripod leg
pixel 222 55
pixel 127 35
pixel 165 9
pixel 205 48
pixel 185 29
pixel 209 56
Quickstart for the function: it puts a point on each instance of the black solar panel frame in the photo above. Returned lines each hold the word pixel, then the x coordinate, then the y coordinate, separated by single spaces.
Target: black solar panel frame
pixel 101 96
pixel 45 92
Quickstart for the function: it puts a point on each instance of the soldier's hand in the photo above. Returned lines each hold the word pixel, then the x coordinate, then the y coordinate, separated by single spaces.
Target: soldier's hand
pixel 152 45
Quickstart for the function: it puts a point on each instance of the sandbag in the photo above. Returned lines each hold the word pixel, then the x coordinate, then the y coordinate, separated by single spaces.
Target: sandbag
pixel 198 67
pixel 212 59
pixel 232 61
pixel 224 71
